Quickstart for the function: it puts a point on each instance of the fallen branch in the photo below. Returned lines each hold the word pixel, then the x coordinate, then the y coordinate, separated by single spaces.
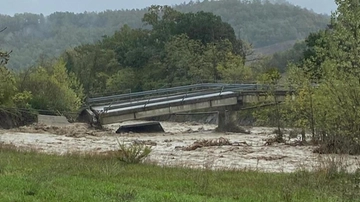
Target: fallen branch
pixel 207 143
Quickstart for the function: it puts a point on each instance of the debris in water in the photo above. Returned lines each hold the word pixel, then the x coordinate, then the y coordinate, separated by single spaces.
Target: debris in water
pixel 149 127
pixel 208 143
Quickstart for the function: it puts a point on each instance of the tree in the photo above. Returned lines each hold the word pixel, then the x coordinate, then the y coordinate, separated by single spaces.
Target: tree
pixel 300 112
pixel 92 65
pixel 124 81
pixel 163 20
pixel 133 47
pixel 54 89
pixel 214 54
pixel 315 54
pixel 7 86
pixel 232 69
pixel 272 114
pixel 184 61
pixel 204 26
pixel 200 26
pixel 7 80
pixel 4 56
pixel 334 62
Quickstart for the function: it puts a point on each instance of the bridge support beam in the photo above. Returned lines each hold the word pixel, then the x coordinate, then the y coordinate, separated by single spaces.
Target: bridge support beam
pixel 227 121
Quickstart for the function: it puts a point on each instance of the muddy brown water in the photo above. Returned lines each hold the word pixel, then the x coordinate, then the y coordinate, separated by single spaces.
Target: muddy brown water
pixel 247 151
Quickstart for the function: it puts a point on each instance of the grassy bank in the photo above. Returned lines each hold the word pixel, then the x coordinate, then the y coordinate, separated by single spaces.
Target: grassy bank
pixel 40 177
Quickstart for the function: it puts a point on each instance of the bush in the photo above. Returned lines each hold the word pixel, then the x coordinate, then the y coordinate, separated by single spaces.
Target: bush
pixel 338 144
pixel 133 153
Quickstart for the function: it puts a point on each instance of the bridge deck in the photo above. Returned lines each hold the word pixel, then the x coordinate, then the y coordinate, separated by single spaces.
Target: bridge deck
pixel 115 108
pixel 158 102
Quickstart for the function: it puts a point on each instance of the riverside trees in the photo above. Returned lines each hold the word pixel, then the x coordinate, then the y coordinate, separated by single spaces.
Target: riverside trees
pixel 331 109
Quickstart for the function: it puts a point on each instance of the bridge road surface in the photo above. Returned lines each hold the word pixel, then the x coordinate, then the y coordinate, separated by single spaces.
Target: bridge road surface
pixel 124 100
pixel 129 106
pixel 118 108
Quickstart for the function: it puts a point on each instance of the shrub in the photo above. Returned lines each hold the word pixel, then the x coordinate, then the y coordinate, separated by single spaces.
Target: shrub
pixel 133 153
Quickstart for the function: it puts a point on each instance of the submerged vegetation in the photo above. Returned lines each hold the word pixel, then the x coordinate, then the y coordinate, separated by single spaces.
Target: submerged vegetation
pixel 134 153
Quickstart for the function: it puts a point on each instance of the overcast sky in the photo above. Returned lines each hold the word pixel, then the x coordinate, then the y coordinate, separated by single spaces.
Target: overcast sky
pixel 46 7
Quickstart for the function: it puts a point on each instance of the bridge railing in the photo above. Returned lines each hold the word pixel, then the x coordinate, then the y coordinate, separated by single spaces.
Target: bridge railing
pixel 134 96
pixel 164 93
pixel 182 96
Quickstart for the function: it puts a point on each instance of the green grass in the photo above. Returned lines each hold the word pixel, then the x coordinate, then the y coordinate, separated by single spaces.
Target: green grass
pixel 39 177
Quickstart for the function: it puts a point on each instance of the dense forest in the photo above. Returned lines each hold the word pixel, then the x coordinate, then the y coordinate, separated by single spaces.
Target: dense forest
pixel 33 37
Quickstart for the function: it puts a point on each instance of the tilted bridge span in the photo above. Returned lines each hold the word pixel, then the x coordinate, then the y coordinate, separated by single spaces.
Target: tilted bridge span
pixel 140 105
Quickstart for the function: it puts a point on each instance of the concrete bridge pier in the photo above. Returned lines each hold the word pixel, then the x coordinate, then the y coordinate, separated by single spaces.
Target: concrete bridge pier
pixel 227 121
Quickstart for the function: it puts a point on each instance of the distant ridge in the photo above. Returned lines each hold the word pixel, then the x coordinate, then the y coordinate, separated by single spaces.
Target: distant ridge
pixel 261 24
pixel 47 7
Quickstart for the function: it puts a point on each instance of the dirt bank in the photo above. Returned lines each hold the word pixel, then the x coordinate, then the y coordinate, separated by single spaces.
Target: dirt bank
pixel 244 151
pixel 10 118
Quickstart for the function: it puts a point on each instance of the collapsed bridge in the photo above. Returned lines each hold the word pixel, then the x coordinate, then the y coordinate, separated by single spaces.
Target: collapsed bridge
pixel 225 98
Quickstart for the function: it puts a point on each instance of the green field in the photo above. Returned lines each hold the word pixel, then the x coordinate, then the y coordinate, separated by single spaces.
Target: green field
pixel 39 177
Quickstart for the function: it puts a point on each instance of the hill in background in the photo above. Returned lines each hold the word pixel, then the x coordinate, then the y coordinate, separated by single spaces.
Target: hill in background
pixel 262 24
pixel 47 7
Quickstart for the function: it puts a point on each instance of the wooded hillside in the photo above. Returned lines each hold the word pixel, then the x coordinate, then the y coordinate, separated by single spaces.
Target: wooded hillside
pixel 32 36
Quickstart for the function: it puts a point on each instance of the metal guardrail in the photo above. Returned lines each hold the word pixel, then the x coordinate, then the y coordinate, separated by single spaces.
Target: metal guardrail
pixel 145 94
pixel 150 92
pixel 165 94
pixel 128 97
pixel 152 100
